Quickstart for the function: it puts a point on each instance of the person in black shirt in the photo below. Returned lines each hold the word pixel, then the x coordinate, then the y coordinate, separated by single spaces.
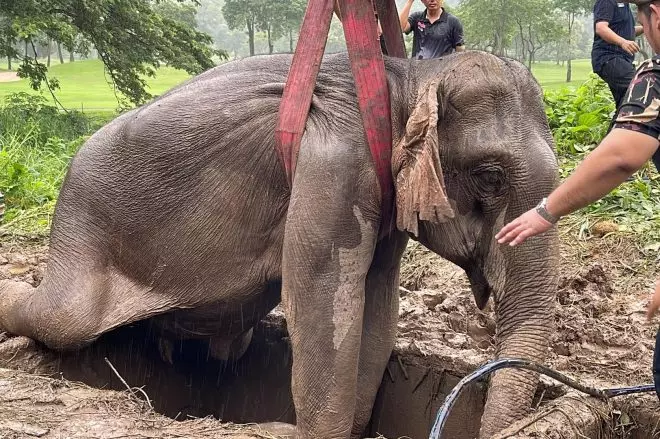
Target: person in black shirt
pixel 436 32
pixel 614 45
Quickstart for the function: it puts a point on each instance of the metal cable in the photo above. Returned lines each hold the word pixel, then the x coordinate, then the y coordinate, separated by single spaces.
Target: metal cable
pixel 505 363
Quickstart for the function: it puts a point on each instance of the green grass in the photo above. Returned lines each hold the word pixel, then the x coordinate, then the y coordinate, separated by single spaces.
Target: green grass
pixel 83 85
pixel 552 76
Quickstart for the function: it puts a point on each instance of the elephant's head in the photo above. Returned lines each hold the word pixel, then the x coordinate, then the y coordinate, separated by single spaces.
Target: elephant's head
pixel 476 152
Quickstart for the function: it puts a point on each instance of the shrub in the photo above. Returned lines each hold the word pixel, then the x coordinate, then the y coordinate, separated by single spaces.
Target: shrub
pixel 37 141
pixel 580 118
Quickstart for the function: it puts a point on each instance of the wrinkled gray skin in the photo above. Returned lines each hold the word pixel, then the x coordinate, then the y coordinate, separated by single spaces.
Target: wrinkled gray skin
pixel 180 211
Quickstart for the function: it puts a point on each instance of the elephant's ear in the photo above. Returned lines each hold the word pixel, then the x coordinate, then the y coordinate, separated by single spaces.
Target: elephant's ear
pixel 419 183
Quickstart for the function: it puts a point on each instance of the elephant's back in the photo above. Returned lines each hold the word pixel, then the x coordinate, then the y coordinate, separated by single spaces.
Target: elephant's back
pixel 183 182
pixel 219 125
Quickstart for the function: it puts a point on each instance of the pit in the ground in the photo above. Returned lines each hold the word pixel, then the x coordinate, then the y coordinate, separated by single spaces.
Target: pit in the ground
pixel 257 387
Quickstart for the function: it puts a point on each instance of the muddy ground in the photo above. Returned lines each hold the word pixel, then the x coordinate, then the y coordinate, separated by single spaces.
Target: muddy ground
pixel 601 338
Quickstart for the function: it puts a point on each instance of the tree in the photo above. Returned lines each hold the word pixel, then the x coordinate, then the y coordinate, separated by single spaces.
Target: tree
pixel 131 37
pixel 211 20
pixel 275 18
pixel 535 30
pixel 270 17
pixel 242 14
pixel 488 24
pixel 8 39
pixel 293 17
pixel 59 52
pixel 182 13
pixel 571 9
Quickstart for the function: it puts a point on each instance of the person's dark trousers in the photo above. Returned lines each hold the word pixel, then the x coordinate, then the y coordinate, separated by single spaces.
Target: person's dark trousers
pixel 617 73
pixel 656 364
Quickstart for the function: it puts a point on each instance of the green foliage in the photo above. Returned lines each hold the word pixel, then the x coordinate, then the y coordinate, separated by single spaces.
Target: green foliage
pixel 579 118
pixel 275 17
pixel 173 10
pixel 488 24
pixel 36 144
pixel 133 37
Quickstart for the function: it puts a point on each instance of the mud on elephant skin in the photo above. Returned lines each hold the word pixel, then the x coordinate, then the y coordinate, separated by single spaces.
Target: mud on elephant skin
pixel 180 212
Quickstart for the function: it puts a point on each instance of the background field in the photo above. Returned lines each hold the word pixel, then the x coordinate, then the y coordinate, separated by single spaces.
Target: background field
pixel 85 86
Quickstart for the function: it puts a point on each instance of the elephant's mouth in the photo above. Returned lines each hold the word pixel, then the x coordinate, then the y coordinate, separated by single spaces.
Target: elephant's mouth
pixel 481 289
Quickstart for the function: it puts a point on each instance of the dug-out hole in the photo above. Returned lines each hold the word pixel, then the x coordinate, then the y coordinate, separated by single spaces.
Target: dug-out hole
pixel 257 387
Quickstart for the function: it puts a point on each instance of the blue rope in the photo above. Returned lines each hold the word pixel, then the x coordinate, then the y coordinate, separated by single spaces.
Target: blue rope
pixel 505 363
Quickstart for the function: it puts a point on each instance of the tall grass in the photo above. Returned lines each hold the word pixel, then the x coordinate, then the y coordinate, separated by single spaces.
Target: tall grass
pixel 36 144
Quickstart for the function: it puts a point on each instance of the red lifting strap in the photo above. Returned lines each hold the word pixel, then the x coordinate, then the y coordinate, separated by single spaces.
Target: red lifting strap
pixel 361 32
pixel 389 22
pixel 299 88
pixel 370 81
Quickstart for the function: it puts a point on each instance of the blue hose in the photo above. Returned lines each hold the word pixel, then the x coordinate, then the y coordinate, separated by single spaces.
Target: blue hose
pixel 505 363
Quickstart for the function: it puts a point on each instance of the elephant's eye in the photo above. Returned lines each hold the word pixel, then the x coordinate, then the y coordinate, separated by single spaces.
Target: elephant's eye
pixel 490 179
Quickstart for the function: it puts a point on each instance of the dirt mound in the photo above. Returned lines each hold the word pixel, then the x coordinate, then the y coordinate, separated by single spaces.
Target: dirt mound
pixel 23 260
pixel 34 406
pixel 601 334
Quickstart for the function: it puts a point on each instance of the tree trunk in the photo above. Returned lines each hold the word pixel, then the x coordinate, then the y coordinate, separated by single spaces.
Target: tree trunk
pixel 569 55
pixel 26 48
pixel 291 40
pixel 59 52
pixel 34 50
pixel 71 56
pixel 48 49
pixel 270 42
pixel 250 27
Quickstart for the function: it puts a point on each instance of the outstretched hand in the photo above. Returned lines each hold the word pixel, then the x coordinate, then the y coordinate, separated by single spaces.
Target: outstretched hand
pixel 526 225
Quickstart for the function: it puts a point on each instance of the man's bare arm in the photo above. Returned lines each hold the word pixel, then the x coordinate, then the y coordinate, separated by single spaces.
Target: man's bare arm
pixel 618 156
pixel 603 30
pixel 639 30
pixel 404 14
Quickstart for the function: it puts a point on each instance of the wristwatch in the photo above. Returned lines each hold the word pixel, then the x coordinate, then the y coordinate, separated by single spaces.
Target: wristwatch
pixel 541 210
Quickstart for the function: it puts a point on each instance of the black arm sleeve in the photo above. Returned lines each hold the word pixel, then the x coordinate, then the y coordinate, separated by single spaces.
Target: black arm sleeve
pixel 604 10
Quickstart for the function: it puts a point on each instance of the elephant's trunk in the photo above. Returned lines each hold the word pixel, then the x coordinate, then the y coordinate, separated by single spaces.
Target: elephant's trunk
pixel 524 324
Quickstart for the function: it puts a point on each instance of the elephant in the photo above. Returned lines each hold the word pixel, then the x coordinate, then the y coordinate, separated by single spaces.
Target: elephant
pixel 180 212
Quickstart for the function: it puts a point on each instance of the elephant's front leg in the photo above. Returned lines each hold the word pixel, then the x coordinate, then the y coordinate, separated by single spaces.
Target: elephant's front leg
pixel 381 312
pixel 328 248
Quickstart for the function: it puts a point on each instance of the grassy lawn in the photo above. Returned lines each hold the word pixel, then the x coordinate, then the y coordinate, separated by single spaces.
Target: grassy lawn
pixel 553 76
pixel 84 85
